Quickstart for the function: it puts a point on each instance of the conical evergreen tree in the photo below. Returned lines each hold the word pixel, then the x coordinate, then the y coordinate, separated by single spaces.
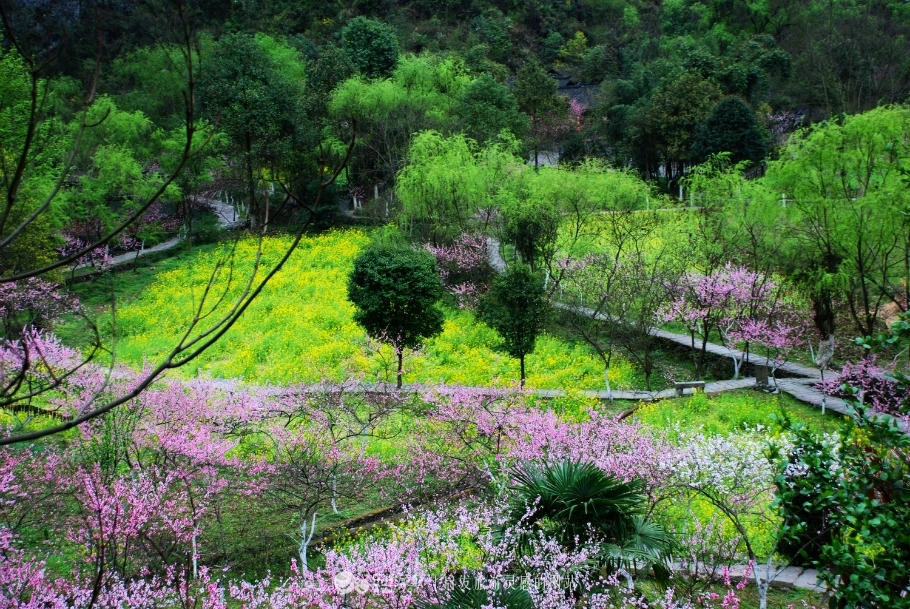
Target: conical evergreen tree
pixel 732 128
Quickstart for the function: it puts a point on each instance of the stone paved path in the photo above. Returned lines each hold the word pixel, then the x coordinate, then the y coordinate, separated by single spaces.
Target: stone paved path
pixel 227 218
pixel 785 578
pixel 648 396
pixel 801 388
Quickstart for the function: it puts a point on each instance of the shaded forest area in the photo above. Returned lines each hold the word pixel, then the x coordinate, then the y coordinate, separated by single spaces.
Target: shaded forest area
pixel 644 77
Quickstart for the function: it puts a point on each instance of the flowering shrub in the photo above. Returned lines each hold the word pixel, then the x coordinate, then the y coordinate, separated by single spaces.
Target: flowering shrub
pixel 876 389
pixel 33 303
pixel 741 306
pixel 465 268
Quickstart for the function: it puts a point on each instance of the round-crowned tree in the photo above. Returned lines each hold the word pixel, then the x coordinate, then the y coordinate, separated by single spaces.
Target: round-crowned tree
pixel 372 46
pixel 395 291
pixel 517 307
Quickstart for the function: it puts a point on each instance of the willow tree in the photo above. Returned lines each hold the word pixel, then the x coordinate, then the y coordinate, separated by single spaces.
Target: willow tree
pixel 845 197
pixel 419 96
pixel 449 181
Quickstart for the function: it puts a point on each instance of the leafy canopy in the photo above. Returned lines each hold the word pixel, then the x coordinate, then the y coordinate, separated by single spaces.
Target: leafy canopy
pixel 395 291
pixel 517 308
pixel 372 45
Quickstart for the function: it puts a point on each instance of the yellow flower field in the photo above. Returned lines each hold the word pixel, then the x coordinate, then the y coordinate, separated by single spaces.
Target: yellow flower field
pixel 300 329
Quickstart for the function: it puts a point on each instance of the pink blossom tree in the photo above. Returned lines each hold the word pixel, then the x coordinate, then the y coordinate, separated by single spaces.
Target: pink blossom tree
pixel 464 267
pixel 740 307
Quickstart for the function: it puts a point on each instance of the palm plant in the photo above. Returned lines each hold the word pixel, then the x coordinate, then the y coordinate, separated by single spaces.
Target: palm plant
pixel 575 502
pixel 470 597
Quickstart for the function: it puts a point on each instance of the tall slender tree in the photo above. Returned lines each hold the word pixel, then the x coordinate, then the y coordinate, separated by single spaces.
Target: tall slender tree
pixel 517 307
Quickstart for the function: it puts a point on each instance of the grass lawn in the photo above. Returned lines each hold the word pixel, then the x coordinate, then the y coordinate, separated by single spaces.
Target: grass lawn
pixel 743 410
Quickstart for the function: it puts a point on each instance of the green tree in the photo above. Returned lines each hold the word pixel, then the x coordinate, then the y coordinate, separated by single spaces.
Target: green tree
pixel 255 98
pixel 845 199
pixel 395 291
pixel 535 92
pixel 516 307
pixel 677 108
pixel 486 108
pixel 447 181
pixel 730 128
pixel 372 45
pixel 532 230
pixel 389 112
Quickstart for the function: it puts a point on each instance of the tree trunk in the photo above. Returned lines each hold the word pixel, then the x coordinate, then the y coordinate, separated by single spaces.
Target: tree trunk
pixel 695 356
pixel 400 361
pixel 700 366
pixel 305 539
pixel 649 368
pixel 824 316
pixel 607 382
pixel 522 362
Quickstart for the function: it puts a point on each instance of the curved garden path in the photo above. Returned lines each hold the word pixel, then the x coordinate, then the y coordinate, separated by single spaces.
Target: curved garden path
pixel 800 387
pixel 227 218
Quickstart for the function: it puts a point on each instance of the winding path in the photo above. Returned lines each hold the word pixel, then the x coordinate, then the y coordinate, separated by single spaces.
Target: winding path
pixel 227 219
pixel 800 388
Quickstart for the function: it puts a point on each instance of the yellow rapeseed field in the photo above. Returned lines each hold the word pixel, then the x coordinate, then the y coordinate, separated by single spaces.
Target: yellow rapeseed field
pixel 300 329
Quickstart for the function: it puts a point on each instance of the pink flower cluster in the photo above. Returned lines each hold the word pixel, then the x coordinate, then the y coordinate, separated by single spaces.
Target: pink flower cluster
pixel 464 267
pixel 876 389
pixel 743 307
pixel 33 302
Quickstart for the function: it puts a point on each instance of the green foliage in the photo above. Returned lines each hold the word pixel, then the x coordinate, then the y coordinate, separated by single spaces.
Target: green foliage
pixel 330 69
pixel 575 49
pixel 678 107
pixel 469 595
pixel 531 229
pixel 150 80
pixel 420 95
pixel 206 229
pixel 535 90
pixel 805 501
pixel 117 158
pixel 372 46
pixel 598 63
pixel 24 192
pixel 863 501
pixel 493 29
pixel 574 502
pixel 486 108
pixel 395 292
pixel 845 194
pixel 853 500
pixel 517 308
pixel 447 180
pixel 244 88
pixel 732 128
pixel 252 87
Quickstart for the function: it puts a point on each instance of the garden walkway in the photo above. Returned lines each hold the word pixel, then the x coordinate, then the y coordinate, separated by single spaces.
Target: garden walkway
pixel 786 578
pixel 227 218
pixel 799 388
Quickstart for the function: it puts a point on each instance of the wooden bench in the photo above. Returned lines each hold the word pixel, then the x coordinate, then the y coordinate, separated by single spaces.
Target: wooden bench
pixel 688 385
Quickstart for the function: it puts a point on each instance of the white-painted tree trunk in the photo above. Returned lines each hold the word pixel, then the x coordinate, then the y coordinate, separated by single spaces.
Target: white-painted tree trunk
pixel 607 383
pixel 305 540
pixel 195 558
